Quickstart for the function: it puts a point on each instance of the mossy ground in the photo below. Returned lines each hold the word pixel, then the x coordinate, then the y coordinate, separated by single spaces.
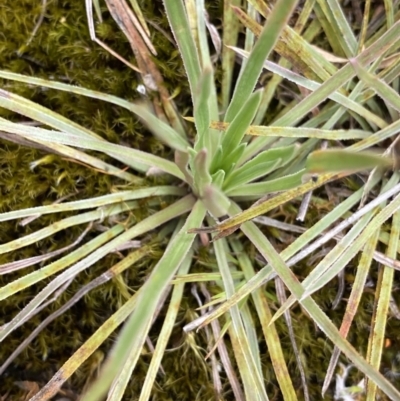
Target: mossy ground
pixel 62 50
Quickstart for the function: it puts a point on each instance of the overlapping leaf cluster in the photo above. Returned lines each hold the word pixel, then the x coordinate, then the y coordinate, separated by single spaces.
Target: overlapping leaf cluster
pixel 223 167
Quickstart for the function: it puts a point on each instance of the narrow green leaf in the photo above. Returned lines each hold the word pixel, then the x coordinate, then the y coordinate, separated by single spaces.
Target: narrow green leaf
pixel 201 174
pixel 201 112
pixel 251 376
pixel 383 295
pixel 60 225
pixel 264 45
pixel 385 91
pixel 249 172
pixel 224 228
pixel 265 187
pixel 204 34
pixel 87 142
pixel 260 165
pixel 218 178
pixel 270 332
pixel 343 33
pixel 292 47
pixel 164 132
pixel 231 150
pixel 147 302
pixel 91 203
pixel 182 162
pixel 297 132
pixel 337 160
pixel 216 202
pixel 353 302
pixel 230 31
pixel 337 258
pixel 179 25
pixel 347 102
pixel 227 162
pixel 236 130
pixel 166 330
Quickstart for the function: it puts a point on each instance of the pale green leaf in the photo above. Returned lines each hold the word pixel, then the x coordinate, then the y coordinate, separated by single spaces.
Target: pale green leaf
pixel 337 160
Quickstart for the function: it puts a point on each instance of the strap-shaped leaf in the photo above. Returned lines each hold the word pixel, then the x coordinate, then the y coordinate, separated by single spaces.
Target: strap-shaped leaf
pixel 337 160
pixel 201 112
pixel 297 132
pixel 266 42
pixel 235 133
pixel 87 142
pixel 164 132
pixel 201 174
pixel 251 171
pixel 216 202
pixel 261 165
